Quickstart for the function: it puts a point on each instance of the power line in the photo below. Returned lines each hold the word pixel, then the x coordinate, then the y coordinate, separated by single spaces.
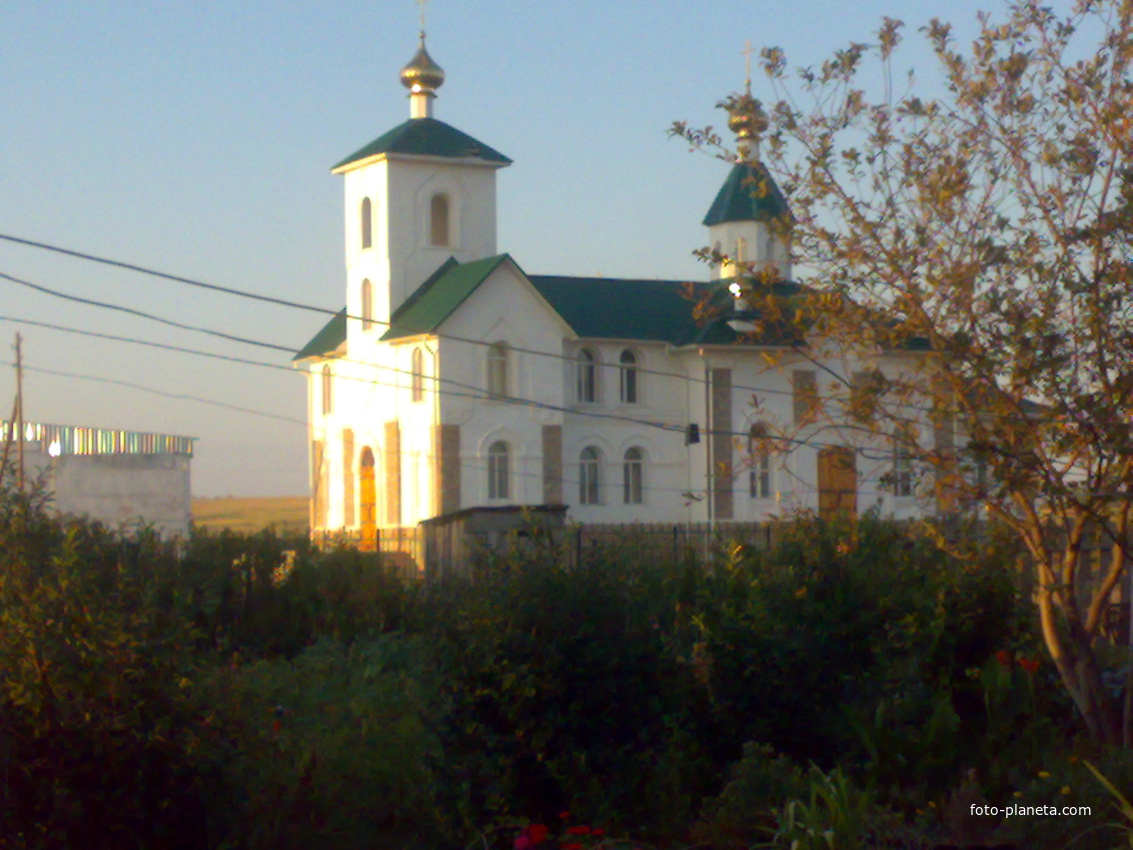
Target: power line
pixel 326 311
pixel 141 314
pixel 472 392
pixel 188 281
pixel 141 388
pixel 298 305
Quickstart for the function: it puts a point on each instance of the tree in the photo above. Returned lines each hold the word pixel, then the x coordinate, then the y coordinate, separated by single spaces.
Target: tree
pixel 991 222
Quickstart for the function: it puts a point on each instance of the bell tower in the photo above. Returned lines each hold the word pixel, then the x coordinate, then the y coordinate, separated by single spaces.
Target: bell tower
pixel 417 195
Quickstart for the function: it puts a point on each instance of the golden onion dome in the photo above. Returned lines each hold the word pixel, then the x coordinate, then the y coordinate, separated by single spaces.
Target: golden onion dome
pixel 746 117
pixel 422 73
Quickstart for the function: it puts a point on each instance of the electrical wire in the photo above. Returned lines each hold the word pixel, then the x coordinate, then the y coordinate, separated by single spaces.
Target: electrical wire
pixel 323 310
pixel 140 314
pixel 463 391
pixel 152 390
pixel 81 255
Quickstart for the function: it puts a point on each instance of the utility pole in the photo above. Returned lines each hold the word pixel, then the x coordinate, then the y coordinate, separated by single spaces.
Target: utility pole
pixel 20 413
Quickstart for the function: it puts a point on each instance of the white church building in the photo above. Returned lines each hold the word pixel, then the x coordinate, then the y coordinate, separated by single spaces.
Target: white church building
pixel 454 379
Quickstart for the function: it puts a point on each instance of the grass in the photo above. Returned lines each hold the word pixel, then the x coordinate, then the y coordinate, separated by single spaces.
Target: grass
pixel 286 513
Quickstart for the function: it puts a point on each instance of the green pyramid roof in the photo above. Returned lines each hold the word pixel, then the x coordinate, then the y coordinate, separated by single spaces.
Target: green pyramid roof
pixel 749 194
pixel 426 137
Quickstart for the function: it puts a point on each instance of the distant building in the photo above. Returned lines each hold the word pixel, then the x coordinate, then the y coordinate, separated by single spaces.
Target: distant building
pixel 122 479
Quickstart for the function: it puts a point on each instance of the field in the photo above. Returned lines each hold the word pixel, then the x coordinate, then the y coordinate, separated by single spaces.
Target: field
pixel 286 513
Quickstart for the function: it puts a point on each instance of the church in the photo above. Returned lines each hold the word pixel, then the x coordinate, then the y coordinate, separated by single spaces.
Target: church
pixel 455 379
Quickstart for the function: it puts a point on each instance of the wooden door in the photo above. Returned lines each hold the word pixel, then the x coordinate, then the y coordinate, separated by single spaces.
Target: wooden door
pixel 368 503
pixel 837 482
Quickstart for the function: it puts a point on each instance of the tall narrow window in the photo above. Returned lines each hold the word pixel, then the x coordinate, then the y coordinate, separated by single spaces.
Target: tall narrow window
pixel 633 474
pixel 589 476
pixel 902 465
pixel 498 470
pixel 759 456
pixel 367 305
pixel 497 370
pixel 586 376
pixel 805 396
pixel 326 390
pixel 439 220
pixel 367 224
pixel 417 368
pixel 628 362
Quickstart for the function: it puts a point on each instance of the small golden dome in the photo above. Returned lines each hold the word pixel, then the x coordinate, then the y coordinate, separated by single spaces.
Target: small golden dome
pixel 422 73
pixel 746 117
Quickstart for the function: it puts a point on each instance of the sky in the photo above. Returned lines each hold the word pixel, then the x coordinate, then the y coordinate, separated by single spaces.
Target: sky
pixel 196 139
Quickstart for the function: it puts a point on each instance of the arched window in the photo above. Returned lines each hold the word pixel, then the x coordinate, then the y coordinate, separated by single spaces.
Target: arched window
pixel 439 220
pixel 590 476
pixel 586 366
pixel 367 224
pixel 367 305
pixel 497 370
pixel 633 473
pixel 326 390
pixel 628 362
pixel 417 368
pixel 498 470
pixel 759 456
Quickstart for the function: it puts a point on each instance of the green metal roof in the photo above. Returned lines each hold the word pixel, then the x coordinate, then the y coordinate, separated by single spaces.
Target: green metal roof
pixel 749 194
pixel 669 311
pixel 435 299
pixel 611 308
pixel 426 137
pixel 327 340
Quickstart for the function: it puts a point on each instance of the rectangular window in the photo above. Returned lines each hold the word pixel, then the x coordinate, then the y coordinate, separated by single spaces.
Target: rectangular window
pixel 417 380
pixel 805 395
pixel 902 466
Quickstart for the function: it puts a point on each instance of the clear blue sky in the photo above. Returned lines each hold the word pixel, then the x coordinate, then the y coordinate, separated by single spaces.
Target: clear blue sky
pixel 196 138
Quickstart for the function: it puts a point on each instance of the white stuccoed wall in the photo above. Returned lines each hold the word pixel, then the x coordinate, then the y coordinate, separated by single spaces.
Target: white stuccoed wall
pixel 122 491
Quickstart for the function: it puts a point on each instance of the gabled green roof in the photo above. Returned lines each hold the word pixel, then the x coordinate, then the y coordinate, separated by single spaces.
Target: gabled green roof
pixel 435 299
pixel 749 194
pixel 327 340
pixel 426 137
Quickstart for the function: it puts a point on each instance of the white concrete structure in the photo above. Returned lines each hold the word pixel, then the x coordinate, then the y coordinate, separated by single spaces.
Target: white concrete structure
pixel 453 379
pixel 123 479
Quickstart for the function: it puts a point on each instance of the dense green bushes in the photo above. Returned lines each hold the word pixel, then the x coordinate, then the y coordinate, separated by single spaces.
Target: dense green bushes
pixel 251 692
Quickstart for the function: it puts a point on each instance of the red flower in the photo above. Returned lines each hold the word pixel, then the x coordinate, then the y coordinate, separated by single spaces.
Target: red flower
pixel 578 830
pixel 597 833
pixel 572 846
pixel 564 815
pixel 1003 657
pixel 523 842
pixel 537 832
pixel 1031 665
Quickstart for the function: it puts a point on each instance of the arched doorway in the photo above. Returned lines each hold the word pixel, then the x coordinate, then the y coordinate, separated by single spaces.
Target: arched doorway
pixel 369 507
